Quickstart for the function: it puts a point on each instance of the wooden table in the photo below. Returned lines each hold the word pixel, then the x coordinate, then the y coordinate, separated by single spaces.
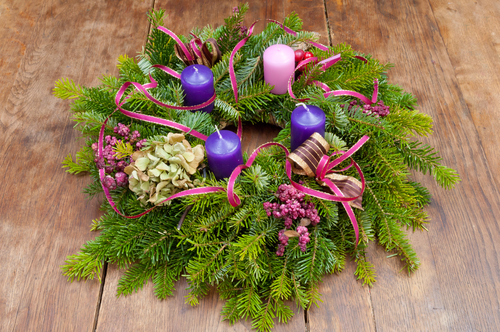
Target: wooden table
pixel 446 52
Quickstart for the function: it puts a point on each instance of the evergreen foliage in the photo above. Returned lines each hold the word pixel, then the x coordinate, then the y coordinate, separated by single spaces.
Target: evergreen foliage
pixel 234 249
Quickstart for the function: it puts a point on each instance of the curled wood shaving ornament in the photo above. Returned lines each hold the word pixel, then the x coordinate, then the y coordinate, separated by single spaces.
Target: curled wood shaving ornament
pixel 305 160
pixel 200 52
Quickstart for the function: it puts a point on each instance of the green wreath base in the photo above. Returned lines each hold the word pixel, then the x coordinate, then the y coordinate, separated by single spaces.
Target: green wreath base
pixel 233 248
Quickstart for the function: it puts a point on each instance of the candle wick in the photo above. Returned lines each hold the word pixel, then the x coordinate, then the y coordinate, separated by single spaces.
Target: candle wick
pixel 195 69
pixel 305 106
pixel 218 132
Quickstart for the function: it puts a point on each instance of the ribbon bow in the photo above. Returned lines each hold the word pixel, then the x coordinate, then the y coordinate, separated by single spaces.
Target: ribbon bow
pixel 319 161
pixel 311 159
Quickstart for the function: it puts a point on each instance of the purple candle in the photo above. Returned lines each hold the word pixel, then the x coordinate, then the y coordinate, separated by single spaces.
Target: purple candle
pixel 198 84
pixel 223 153
pixel 306 120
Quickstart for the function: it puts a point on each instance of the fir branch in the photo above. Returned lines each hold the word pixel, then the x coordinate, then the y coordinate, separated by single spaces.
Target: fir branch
pixel 164 279
pixel 263 321
pixel 67 89
pixel 228 111
pixel 422 157
pixel 83 163
pixel 230 310
pixel 335 142
pixel 87 264
pixel 392 237
pixel 313 296
pixel 123 149
pixel 134 279
pixel 196 291
pixel 283 312
pixel 299 293
pixel 248 302
pixel 364 269
pixel 365 123
pixel 199 268
pixel 281 286
pixel 250 245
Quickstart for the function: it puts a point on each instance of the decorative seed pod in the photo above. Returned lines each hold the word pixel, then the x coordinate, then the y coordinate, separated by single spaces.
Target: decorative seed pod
pixel 164 168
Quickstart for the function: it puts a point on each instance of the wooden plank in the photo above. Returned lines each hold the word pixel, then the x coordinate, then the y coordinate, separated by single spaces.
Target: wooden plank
pixel 471 32
pixel 312 13
pixel 456 289
pixel 18 18
pixel 45 217
pixel 142 311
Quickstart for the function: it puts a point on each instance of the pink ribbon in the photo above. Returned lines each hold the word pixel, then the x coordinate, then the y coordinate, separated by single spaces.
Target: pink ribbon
pixel 356 94
pixel 232 74
pixel 196 45
pixel 329 92
pixel 181 44
pixel 361 58
pixel 325 64
pixel 152 119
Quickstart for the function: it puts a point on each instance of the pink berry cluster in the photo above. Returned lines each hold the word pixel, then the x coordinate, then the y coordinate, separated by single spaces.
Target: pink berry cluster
pixel 303 238
pixel 378 110
pixel 292 206
pixel 283 243
pixel 124 131
pixel 111 163
pixel 283 239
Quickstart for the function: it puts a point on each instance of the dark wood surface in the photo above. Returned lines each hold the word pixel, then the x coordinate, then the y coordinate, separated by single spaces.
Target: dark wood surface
pixel 446 53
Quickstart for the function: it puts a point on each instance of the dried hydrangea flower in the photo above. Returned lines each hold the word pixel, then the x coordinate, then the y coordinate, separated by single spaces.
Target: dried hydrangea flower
pixel 164 168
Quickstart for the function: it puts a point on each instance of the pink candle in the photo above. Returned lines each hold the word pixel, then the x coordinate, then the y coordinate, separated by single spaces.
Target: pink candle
pixel 279 65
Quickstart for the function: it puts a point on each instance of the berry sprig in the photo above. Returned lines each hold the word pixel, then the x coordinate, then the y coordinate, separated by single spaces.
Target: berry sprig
pixel 303 237
pixel 378 110
pixel 112 163
pixel 283 243
pixel 292 207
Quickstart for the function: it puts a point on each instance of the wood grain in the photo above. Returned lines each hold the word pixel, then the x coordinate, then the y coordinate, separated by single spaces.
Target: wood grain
pixel 445 53
pixel 456 289
pixel 144 312
pixel 471 32
pixel 45 217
